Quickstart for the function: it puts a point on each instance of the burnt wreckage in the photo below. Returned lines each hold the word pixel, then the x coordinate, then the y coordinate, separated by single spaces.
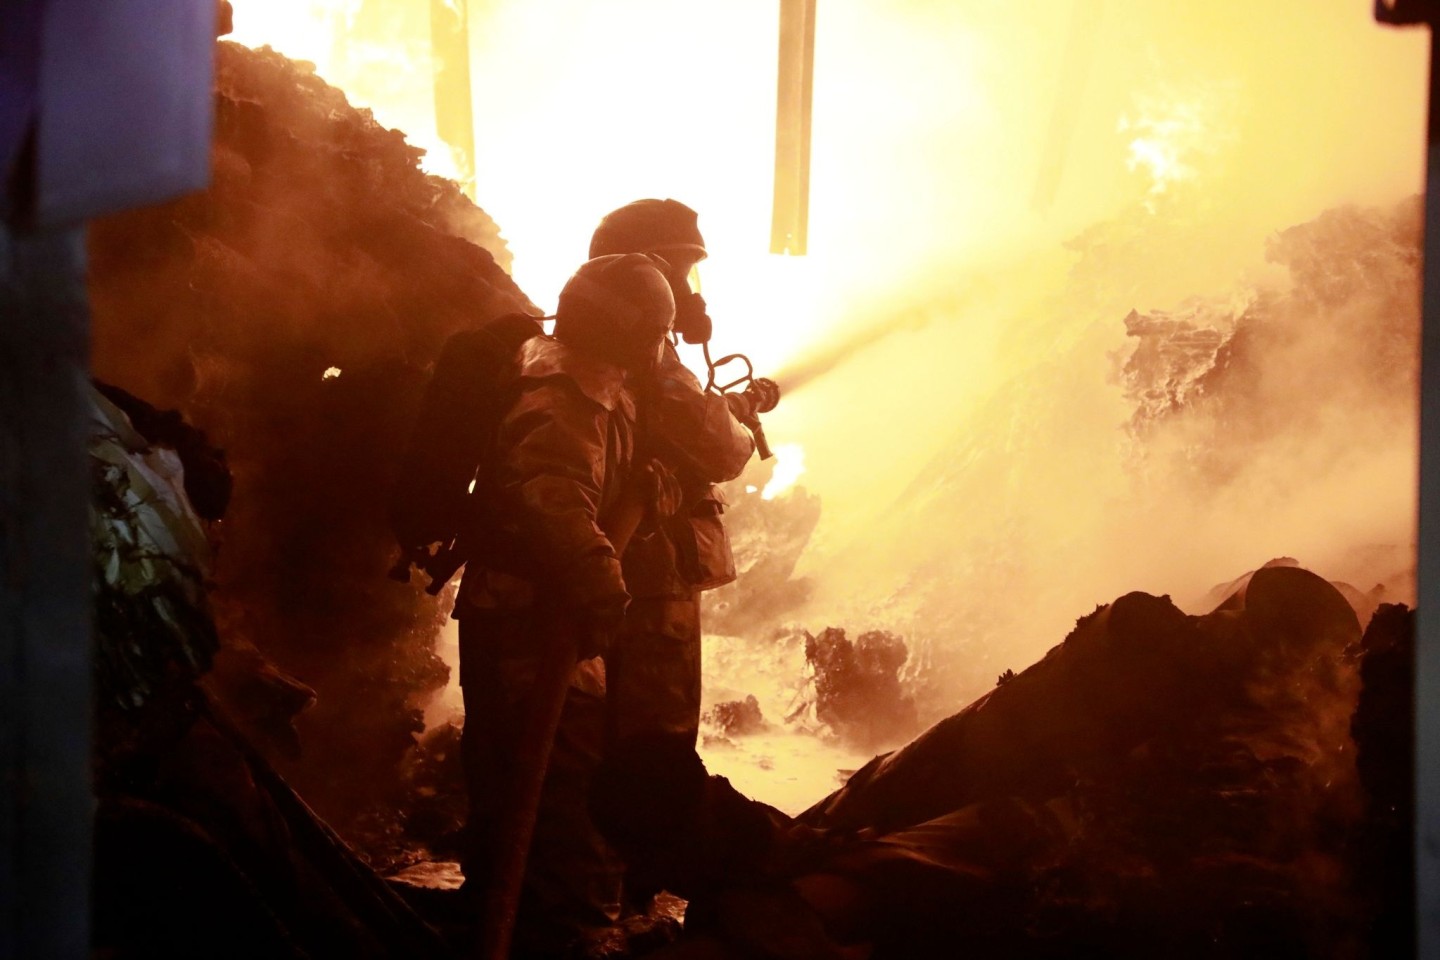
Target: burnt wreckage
pixel 1158 784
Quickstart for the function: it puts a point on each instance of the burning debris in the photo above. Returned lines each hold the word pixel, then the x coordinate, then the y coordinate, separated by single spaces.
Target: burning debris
pixel 857 689
pixel 1274 414
pixel 1344 334
pixel 737 718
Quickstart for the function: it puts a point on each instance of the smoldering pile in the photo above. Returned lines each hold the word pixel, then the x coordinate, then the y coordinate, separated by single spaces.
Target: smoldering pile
pixel 1270 410
pixel 823 682
pixel 1159 784
pixel 290 311
pixel 1342 335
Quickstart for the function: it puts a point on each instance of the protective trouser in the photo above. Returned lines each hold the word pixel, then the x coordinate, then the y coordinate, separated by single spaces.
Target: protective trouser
pixel 572 879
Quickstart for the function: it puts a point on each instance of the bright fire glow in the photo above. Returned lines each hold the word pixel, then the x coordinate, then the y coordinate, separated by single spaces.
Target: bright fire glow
pixel 930 123
pixel 789 465
pixel 378 55
pixel 1172 135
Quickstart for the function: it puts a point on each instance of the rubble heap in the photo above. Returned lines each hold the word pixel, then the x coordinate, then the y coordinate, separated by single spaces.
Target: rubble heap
pixel 290 312
pixel 1158 784
pixel 856 686
pixel 1346 330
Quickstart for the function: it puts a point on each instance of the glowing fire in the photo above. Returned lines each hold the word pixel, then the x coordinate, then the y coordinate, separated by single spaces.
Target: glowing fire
pixel 789 465
pixel 389 73
pixel 1172 133
pixel 928 119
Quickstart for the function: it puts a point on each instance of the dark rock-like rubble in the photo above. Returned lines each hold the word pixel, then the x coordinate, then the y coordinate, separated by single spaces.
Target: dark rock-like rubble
pixel 1158 785
pixel 320 244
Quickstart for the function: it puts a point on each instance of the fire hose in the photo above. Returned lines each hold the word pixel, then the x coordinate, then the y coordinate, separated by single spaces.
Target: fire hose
pixel 516 822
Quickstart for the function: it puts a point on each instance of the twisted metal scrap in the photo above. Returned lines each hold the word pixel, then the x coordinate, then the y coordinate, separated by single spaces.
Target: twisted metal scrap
pixel 151 559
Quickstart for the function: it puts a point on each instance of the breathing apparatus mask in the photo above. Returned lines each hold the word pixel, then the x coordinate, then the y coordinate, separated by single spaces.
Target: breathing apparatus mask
pixel 669 230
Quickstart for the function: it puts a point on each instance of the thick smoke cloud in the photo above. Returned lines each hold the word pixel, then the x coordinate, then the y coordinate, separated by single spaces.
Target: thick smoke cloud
pixel 1274 418
pixel 319 245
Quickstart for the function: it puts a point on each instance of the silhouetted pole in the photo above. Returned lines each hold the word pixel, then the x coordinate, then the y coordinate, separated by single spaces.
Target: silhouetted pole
pixel 790 218
pixel 103 106
pixel 454 110
pixel 1427 613
pixel 44 595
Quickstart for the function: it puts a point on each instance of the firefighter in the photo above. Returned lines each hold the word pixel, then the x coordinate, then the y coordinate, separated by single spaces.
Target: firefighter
pixel 653 668
pixel 543 564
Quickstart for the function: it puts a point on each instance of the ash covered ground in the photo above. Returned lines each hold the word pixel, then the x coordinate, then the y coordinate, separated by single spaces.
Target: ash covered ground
pixel 1227 778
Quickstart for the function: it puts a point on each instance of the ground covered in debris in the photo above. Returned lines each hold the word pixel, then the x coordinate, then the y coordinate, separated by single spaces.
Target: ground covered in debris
pixel 1158 784
pixel 1232 782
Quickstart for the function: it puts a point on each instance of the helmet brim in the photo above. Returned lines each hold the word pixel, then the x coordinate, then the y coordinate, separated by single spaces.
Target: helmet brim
pixel 688 251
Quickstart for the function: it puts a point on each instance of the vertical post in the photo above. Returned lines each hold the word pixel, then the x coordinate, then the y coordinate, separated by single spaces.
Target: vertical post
pixel 1427 615
pixel 45 652
pixel 103 106
pixel 791 214
pixel 454 112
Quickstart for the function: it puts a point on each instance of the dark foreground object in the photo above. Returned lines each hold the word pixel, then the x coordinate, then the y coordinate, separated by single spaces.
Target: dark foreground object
pixel 1158 785
pixel 217 857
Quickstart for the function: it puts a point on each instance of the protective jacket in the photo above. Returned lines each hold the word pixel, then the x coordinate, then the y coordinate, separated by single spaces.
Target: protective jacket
pixel 561 458
pixel 697 436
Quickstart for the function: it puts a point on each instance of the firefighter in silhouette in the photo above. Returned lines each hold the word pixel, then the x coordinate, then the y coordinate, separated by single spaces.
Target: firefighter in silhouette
pixel 653 667
pixel 541 563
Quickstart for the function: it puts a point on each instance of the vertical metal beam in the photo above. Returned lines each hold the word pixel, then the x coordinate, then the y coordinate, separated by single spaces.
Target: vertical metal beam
pixel 454 112
pixel 1427 615
pixel 45 650
pixel 107 105
pixel 790 218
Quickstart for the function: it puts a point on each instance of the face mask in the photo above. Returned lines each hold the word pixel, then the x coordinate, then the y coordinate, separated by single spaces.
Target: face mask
pixel 691 321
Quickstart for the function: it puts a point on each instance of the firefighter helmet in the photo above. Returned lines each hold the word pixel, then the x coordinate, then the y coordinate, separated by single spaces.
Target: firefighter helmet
pixel 618 307
pixel 650 226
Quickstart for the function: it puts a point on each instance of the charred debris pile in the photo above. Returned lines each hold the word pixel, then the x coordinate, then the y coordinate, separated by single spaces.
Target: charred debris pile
pixel 1343 334
pixel 290 311
pixel 1158 785
pixel 1232 784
